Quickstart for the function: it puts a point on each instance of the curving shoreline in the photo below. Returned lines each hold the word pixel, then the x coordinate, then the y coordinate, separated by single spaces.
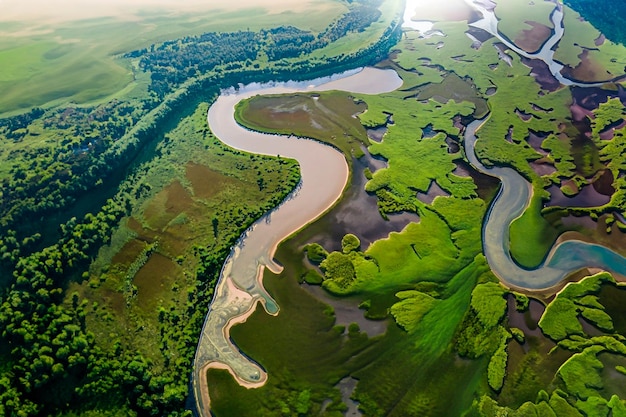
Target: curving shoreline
pixel 513 198
pixel 324 175
pixel 240 287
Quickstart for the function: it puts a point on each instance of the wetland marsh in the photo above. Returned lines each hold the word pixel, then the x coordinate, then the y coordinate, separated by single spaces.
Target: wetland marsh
pixel 486 261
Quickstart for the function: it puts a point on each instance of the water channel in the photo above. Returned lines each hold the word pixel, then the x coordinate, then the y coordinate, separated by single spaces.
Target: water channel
pixel 512 199
pixel 324 176
pixel 324 173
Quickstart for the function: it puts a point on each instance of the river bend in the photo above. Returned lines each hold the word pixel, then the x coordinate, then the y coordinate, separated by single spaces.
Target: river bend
pixel 514 196
pixel 324 174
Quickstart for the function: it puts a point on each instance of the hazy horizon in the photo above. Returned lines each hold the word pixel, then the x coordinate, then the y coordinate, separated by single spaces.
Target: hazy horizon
pixel 70 10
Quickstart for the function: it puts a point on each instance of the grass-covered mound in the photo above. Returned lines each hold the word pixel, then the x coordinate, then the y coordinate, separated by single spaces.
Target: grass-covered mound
pixel 327 117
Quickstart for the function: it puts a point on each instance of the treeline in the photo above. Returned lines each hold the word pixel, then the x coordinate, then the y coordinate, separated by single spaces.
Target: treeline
pixel 605 15
pixel 173 62
pixel 54 181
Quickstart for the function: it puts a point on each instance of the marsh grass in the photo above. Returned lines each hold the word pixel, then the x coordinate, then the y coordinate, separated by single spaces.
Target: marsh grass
pixel 532 235
pixel 152 260
pixel 327 117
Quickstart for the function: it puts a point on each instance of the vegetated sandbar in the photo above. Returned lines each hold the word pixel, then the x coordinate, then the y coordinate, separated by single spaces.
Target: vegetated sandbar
pixel 324 173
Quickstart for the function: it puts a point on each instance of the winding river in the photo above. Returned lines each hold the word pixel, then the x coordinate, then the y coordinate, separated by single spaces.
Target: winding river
pixel 324 174
pixel 512 199
pixel 324 177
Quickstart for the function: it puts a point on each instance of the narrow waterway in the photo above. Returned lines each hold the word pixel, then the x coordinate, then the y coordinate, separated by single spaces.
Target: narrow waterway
pixel 514 196
pixel 489 23
pixel 324 175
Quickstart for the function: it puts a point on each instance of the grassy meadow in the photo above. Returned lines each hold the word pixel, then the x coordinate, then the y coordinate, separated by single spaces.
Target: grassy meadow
pixel 45 61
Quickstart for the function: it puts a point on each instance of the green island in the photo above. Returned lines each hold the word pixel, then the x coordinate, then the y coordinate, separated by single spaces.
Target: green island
pixel 119 206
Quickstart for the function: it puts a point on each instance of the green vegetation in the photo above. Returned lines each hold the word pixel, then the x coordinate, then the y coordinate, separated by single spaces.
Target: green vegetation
pixel 98 143
pixel 325 116
pixel 489 303
pixel 106 319
pixel 561 317
pixel 442 297
pixel 496 371
pixel 103 315
pixel 166 231
pixel 315 252
pixel 516 17
pixel 532 235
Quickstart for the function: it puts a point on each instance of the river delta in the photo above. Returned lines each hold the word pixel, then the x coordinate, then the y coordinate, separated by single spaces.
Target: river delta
pixel 340 208
pixel 518 192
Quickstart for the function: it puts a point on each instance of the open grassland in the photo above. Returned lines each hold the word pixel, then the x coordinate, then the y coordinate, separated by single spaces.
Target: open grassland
pixel 526 22
pixel 48 61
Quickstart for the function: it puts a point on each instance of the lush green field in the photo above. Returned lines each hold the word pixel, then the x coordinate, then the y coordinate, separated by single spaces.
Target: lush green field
pixel 53 62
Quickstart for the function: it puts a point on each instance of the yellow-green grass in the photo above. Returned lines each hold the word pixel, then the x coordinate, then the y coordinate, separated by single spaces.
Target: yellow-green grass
pixel 303 352
pixel 418 387
pixel 560 320
pixel 514 15
pixel 77 61
pixel 531 235
pixel 150 263
pixel 415 161
pixel 469 62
